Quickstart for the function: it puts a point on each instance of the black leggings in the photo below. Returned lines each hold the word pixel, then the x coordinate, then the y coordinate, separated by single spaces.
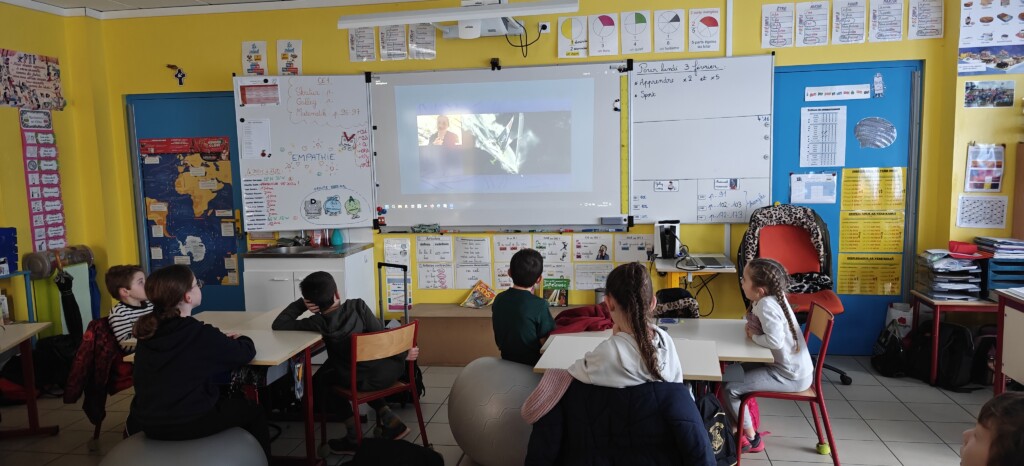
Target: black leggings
pixel 226 414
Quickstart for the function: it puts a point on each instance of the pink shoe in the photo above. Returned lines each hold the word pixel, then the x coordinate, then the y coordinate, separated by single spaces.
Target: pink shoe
pixel 754 445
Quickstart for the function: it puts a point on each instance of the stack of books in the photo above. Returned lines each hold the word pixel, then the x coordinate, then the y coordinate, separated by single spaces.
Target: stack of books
pixel 943 278
pixel 1001 248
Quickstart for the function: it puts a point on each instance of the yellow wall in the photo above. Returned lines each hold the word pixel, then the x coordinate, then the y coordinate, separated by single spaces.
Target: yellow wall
pixel 106 60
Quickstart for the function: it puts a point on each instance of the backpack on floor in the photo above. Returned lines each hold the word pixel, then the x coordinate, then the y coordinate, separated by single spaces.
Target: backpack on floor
pixel 716 421
pixel 955 359
pixel 375 451
pixel 887 355
pixel 984 355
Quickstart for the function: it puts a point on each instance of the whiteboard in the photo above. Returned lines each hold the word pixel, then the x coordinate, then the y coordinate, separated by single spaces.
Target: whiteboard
pixel 700 139
pixel 304 146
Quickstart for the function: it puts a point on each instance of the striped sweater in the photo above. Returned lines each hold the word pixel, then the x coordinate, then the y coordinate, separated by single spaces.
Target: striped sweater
pixel 122 318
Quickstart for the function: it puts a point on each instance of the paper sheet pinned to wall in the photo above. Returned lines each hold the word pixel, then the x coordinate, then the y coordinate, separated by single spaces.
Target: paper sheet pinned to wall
pixel 255 138
pixel 812 188
pixel 823 136
pixel 981 211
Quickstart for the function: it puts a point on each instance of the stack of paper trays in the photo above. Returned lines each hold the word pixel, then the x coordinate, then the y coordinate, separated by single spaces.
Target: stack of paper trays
pixel 1001 248
pixel 943 278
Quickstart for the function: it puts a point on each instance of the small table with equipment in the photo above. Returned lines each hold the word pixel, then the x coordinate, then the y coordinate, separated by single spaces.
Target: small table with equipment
pixel 917 298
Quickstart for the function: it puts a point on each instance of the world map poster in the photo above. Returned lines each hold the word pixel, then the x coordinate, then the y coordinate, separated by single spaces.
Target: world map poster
pixel 187 187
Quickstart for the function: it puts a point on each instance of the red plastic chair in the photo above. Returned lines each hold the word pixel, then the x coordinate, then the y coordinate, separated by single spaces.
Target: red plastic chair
pixel 819 324
pixel 370 347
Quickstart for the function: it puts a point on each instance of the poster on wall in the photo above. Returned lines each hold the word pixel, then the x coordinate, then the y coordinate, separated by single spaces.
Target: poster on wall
pixel 289 57
pixel 572 37
pixel 985 94
pixel 42 180
pixel 705 29
pixel 849 25
pixel 777 25
pixel 669 31
pixel 984 168
pixel 603 34
pixel 991 38
pixel 254 58
pixel 187 188
pixel 30 81
pixel 812 24
pixel 636 32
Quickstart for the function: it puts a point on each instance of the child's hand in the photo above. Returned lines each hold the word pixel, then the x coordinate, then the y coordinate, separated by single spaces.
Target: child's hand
pixel 310 306
pixel 232 335
pixel 414 353
pixel 750 332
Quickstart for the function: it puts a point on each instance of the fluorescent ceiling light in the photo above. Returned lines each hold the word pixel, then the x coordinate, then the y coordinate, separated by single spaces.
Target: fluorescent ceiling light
pixel 438 15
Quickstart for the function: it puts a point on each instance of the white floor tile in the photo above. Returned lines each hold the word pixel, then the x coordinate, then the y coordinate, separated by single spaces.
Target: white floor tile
pixel 435 395
pixel 451 454
pixel 64 442
pixel 285 446
pixel 866 393
pixel 76 460
pixel 950 432
pixel 903 431
pixel 850 429
pixel 440 434
pixel 977 397
pixel 901 382
pixel 755 462
pixel 28 457
pixel 883 410
pixel 931 454
pixel 794 449
pixel 774 407
pixel 940 412
pixel 955 448
pixel 919 394
pixel 859 376
pixel 441 415
pixel 872 452
pixel 837 409
pixel 467 461
pixel 438 379
pixel 786 426
pixel 972 409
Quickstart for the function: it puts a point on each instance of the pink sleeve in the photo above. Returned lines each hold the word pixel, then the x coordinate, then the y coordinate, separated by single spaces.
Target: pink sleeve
pixel 549 391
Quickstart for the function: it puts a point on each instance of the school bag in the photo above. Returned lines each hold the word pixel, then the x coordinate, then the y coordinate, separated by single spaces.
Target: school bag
pixel 376 451
pixel 955 359
pixel 887 355
pixel 984 355
pixel 719 427
pixel 404 398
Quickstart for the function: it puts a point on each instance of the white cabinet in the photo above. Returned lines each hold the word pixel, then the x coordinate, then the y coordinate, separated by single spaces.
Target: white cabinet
pixel 273 282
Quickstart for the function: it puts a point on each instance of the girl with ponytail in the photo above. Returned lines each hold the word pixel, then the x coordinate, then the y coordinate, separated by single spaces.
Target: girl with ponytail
pixel 771 324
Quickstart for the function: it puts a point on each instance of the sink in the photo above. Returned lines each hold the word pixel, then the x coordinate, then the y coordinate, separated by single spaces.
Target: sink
pixel 286 250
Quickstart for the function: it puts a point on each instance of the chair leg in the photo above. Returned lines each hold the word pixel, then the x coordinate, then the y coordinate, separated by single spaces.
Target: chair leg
pixel 739 429
pixel 419 416
pixel 359 424
pixel 828 431
pixel 817 423
pixel 323 421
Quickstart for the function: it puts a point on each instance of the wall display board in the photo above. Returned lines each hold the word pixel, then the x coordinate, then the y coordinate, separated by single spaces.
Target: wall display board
pixel 304 144
pixel 700 139
pixel 519 146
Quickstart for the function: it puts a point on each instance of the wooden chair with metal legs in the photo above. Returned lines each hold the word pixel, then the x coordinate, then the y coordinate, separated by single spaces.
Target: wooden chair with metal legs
pixel 370 347
pixel 819 324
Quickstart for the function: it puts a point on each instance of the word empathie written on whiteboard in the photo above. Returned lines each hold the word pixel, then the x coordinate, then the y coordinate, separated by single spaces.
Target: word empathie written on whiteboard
pixel 701 139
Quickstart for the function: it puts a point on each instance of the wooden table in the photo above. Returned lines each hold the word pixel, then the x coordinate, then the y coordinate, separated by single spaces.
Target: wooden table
pixel 916 298
pixel 1009 340
pixel 272 349
pixel 20 335
pixel 699 358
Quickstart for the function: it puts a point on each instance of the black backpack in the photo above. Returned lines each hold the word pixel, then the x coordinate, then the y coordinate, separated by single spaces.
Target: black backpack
pixel 404 397
pixel 887 355
pixel 956 354
pixel 984 354
pixel 375 451
pixel 716 421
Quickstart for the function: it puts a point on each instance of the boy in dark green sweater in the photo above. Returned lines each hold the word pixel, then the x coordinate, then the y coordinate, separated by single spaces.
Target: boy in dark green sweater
pixel 522 320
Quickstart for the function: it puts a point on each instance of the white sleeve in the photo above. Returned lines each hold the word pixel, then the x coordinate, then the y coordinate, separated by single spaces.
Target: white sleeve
pixel 773 322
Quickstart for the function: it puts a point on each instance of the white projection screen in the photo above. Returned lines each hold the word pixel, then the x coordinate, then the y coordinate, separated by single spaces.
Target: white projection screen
pixel 518 146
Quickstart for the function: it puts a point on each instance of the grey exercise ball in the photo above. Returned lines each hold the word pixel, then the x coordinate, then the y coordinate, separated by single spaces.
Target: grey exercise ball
pixel 483 411
pixel 232 447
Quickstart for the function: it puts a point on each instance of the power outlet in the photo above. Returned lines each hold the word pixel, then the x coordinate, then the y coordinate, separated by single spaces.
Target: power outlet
pixel 544 27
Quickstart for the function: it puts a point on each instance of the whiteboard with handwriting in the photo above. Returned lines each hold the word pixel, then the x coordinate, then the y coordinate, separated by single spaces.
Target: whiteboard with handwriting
pixel 700 139
pixel 305 156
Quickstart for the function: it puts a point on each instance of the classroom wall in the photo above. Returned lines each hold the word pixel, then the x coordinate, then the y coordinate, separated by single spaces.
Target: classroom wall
pixel 107 60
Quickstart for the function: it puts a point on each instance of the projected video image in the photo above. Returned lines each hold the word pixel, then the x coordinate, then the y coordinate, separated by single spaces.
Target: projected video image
pixel 460 149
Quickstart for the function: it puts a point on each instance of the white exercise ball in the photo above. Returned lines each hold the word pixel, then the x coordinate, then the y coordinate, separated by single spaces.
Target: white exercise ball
pixel 483 411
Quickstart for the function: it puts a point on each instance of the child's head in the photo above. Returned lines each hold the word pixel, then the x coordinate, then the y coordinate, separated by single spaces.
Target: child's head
pixel 765 277
pixel 526 267
pixel 630 299
pixel 998 438
pixel 173 289
pixel 320 289
pixel 127 283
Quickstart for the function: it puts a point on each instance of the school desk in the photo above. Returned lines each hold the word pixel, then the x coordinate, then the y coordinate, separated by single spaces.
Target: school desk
pixel 20 335
pixel 917 298
pixel 1009 341
pixel 668 266
pixel 699 358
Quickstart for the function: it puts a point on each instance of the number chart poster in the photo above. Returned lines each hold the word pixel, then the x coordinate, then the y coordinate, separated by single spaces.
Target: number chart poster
pixel 186 183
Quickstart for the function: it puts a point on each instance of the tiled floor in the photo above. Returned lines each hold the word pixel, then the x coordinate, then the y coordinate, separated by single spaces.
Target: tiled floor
pixel 876 421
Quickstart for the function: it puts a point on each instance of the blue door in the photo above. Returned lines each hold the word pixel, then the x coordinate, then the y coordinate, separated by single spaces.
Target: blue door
pixel 863 318
pixel 185 156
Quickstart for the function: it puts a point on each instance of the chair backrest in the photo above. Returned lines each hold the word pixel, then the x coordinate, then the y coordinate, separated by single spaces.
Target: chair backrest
pixel 383 344
pixel 819 324
pixel 791 246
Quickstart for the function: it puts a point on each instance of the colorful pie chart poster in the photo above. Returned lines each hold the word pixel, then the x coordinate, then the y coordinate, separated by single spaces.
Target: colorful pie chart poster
pixel 572 37
pixel 705 29
pixel 636 32
pixel 669 31
pixel 604 34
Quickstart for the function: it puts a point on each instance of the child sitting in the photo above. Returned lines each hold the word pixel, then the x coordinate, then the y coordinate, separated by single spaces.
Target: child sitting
pixel 337 321
pixel 771 325
pixel 126 284
pixel 998 437
pixel 522 320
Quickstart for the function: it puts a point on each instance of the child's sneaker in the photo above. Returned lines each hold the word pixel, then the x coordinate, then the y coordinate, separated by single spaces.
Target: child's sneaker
pixel 752 445
pixel 396 431
pixel 343 446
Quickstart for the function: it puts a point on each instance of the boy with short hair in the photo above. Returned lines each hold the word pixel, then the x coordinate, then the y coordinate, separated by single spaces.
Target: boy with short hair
pixel 522 320
pixel 337 321
pixel 126 284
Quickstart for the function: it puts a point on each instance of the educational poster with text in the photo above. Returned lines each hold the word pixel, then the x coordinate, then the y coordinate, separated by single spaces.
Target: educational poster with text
pixel 398 251
pixel 777 25
pixel 926 19
pixel 30 81
pixel 393 44
pixel 422 42
pixel 991 37
pixel 984 168
pixel 254 58
pixel 505 246
pixel 873 188
pixel 886 21
pixel 437 276
pixel 434 249
pixel 869 274
pixel 42 180
pixel 472 261
pixel 591 276
pixel 593 247
pixel 603 36
pixel 187 188
pixel 705 30
pixel 849 23
pixel 669 31
pixel 289 57
pixel 812 24
pixel 871 230
pixel 981 211
pixel 823 136
pixel 636 32
pixel 572 37
pixel 554 248
pixel 362 44
pixel 633 248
